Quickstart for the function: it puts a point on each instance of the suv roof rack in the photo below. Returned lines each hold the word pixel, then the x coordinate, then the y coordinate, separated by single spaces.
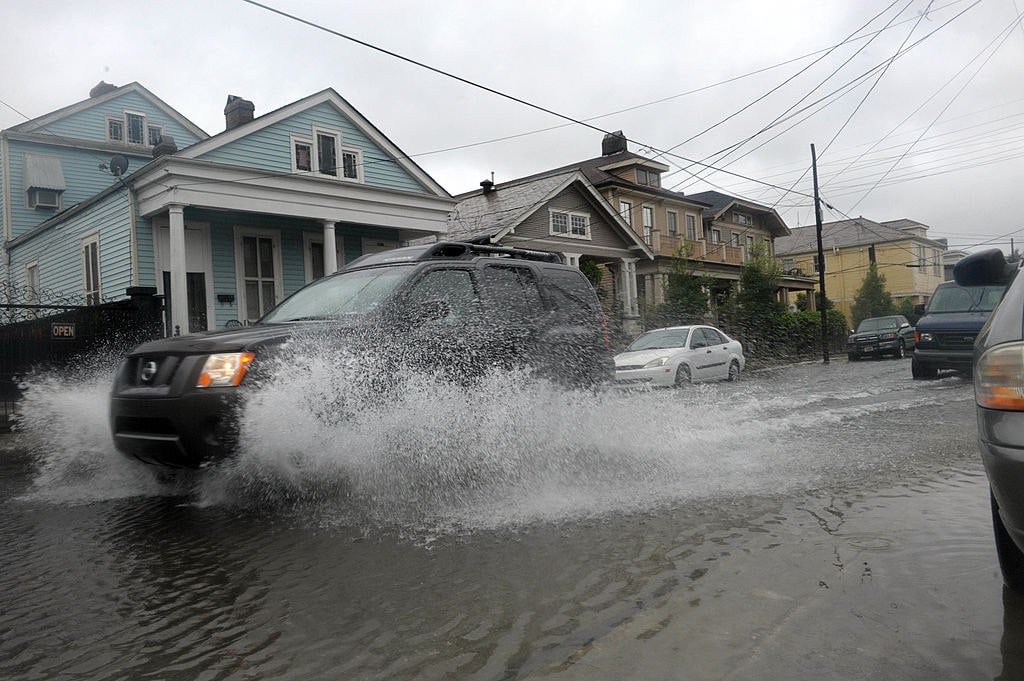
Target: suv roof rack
pixel 450 250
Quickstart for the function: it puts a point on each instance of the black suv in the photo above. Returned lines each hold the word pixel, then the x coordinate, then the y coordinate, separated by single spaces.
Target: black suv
pixel 456 308
pixel 880 336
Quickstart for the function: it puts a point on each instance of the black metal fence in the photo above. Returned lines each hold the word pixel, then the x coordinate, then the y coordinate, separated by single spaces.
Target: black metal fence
pixel 46 332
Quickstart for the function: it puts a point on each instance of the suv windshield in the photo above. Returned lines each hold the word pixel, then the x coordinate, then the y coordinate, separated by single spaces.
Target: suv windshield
pixel 878 324
pixel 663 338
pixel 965 298
pixel 340 296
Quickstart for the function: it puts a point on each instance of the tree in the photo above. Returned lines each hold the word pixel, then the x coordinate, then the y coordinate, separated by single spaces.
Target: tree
pixel 759 315
pixel 686 298
pixel 872 300
pixel 906 308
pixel 822 301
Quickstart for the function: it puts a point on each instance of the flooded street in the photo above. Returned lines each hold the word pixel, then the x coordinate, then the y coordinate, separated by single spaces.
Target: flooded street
pixel 806 522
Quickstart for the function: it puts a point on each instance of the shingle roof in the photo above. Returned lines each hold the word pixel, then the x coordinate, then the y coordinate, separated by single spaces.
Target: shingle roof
pixel 839 234
pixel 480 214
pixel 719 202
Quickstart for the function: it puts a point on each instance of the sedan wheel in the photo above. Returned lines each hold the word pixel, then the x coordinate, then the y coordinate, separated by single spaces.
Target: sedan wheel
pixel 734 370
pixel 1011 558
pixel 683 376
pixel 901 352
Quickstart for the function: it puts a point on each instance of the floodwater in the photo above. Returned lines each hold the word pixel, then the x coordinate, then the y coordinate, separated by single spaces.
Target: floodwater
pixel 806 522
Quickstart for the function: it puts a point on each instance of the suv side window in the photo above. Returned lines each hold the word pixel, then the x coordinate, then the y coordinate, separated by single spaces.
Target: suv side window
pixel 568 291
pixel 515 291
pixel 454 288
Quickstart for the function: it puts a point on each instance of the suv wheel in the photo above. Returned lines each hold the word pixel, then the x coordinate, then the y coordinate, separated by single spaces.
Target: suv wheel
pixel 683 376
pixel 1011 558
pixel 852 356
pixel 921 370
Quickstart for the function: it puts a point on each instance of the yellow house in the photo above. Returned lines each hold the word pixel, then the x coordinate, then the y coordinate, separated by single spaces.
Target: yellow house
pixel 910 262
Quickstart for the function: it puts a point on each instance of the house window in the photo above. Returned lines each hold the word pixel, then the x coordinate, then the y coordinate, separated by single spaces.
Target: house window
pixel 716 236
pixel 302 155
pixel 742 219
pixel 691 228
pixel 91 269
pixel 136 128
pixel 155 134
pixel 626 211
pixel 673 223
pixel 648 215
pixel 750 243
pixel 32 283
pixel 327 153
pixel 573 225
pixel 648 177
pixel 260 281
pixel 352 164
pixel 735 240
pixel 115 130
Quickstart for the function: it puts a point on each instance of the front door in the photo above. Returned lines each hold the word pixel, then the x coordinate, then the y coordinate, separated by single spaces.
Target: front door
pixel 197 275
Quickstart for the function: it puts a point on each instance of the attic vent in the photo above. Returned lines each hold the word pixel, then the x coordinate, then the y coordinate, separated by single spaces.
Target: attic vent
pixel 613 143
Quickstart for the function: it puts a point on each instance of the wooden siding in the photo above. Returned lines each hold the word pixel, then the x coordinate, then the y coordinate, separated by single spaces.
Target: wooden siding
pixel 538 224
pixel 90 124
pixel 270 149
pixel 58 251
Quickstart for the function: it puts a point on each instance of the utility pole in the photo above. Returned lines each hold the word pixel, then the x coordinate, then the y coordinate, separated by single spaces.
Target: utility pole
pixel 821 259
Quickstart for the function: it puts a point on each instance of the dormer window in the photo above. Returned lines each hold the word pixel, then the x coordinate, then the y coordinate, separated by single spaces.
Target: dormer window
pixel 742 219
pixel 648 178
pixel 132 128
pixel 323 154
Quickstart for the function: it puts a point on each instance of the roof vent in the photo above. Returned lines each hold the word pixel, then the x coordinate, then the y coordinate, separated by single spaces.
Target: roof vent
pixel 101 88
pixel 488 186
pixel 613 143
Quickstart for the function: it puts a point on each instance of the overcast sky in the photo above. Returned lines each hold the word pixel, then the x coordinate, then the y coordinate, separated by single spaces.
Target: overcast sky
pixel 915 108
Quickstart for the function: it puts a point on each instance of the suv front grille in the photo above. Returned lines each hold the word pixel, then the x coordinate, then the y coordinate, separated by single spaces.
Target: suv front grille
pixel 150 371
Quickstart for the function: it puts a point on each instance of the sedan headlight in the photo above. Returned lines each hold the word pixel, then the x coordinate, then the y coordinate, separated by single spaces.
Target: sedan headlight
pixel 225 369
pixel 999 378
pixel 660 362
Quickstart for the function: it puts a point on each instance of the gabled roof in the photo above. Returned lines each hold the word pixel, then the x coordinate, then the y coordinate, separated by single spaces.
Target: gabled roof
pixel 721 203
pixel 493 214
pixel 49 119
pixel 841 234
pixel 344 108
pixel 597 171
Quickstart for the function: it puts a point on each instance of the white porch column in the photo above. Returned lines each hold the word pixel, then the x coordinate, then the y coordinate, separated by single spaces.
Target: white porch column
pixel 179 285
pixel 571 259
pixel 330 248
pixel 627 287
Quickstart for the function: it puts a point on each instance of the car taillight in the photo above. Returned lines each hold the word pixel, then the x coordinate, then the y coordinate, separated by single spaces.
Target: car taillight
pixel 999 378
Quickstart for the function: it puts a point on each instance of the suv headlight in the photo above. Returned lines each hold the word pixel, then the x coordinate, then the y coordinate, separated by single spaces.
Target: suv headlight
pixel 999 378
pixel 225 369
pixel 660 362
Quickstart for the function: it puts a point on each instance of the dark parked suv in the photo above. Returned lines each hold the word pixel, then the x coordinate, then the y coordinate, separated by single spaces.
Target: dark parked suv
pixel 944 335
pixel 999 394
pixel 880 336
pixel 451 308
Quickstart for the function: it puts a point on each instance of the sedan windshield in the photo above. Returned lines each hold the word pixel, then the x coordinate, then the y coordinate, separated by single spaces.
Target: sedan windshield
pixel 662 338
pixel 340 296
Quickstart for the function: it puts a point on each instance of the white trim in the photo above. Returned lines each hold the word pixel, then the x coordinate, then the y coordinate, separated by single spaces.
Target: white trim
pixel 358 153
pixel 85 242
pixel 145 128
pixel 570 214
pixel 301 139
pixel 274 235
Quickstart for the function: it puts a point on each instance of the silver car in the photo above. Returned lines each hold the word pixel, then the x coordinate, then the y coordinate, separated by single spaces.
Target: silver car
pixel 999 394
pixel 678 355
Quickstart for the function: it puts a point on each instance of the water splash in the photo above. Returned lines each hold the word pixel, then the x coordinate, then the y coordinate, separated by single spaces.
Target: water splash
pixel 323 442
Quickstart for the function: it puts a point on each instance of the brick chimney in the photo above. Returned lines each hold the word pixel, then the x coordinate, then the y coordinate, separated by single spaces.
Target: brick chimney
pixel 613 143
pixel 165 146
pixel 237 112
pixel 101 88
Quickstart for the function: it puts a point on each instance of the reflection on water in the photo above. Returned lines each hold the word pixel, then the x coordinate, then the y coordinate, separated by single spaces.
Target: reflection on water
pixel 511 531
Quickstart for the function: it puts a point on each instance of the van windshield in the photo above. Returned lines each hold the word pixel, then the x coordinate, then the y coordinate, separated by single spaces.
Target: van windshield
pixel 965 298
pixel 341 296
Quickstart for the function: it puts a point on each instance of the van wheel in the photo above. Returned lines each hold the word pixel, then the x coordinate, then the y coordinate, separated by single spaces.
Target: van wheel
pixel 683 376
pixel 734 370
pixel 920 370
pixel 1011 558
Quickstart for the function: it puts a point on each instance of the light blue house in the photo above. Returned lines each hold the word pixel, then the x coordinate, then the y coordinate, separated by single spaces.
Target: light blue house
pixel 122 191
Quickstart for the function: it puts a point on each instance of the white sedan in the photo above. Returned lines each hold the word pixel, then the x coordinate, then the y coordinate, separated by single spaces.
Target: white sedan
pixel 678 355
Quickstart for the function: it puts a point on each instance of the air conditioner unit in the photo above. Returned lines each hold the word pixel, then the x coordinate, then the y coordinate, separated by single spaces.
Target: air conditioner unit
pixel 44 198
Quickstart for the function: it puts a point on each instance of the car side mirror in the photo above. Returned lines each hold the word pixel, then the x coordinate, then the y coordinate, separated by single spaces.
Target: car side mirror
pixel 987 268
pixel 905 325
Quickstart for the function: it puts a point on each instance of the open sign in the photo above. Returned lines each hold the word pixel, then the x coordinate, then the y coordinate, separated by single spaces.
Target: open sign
pixel 65 331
